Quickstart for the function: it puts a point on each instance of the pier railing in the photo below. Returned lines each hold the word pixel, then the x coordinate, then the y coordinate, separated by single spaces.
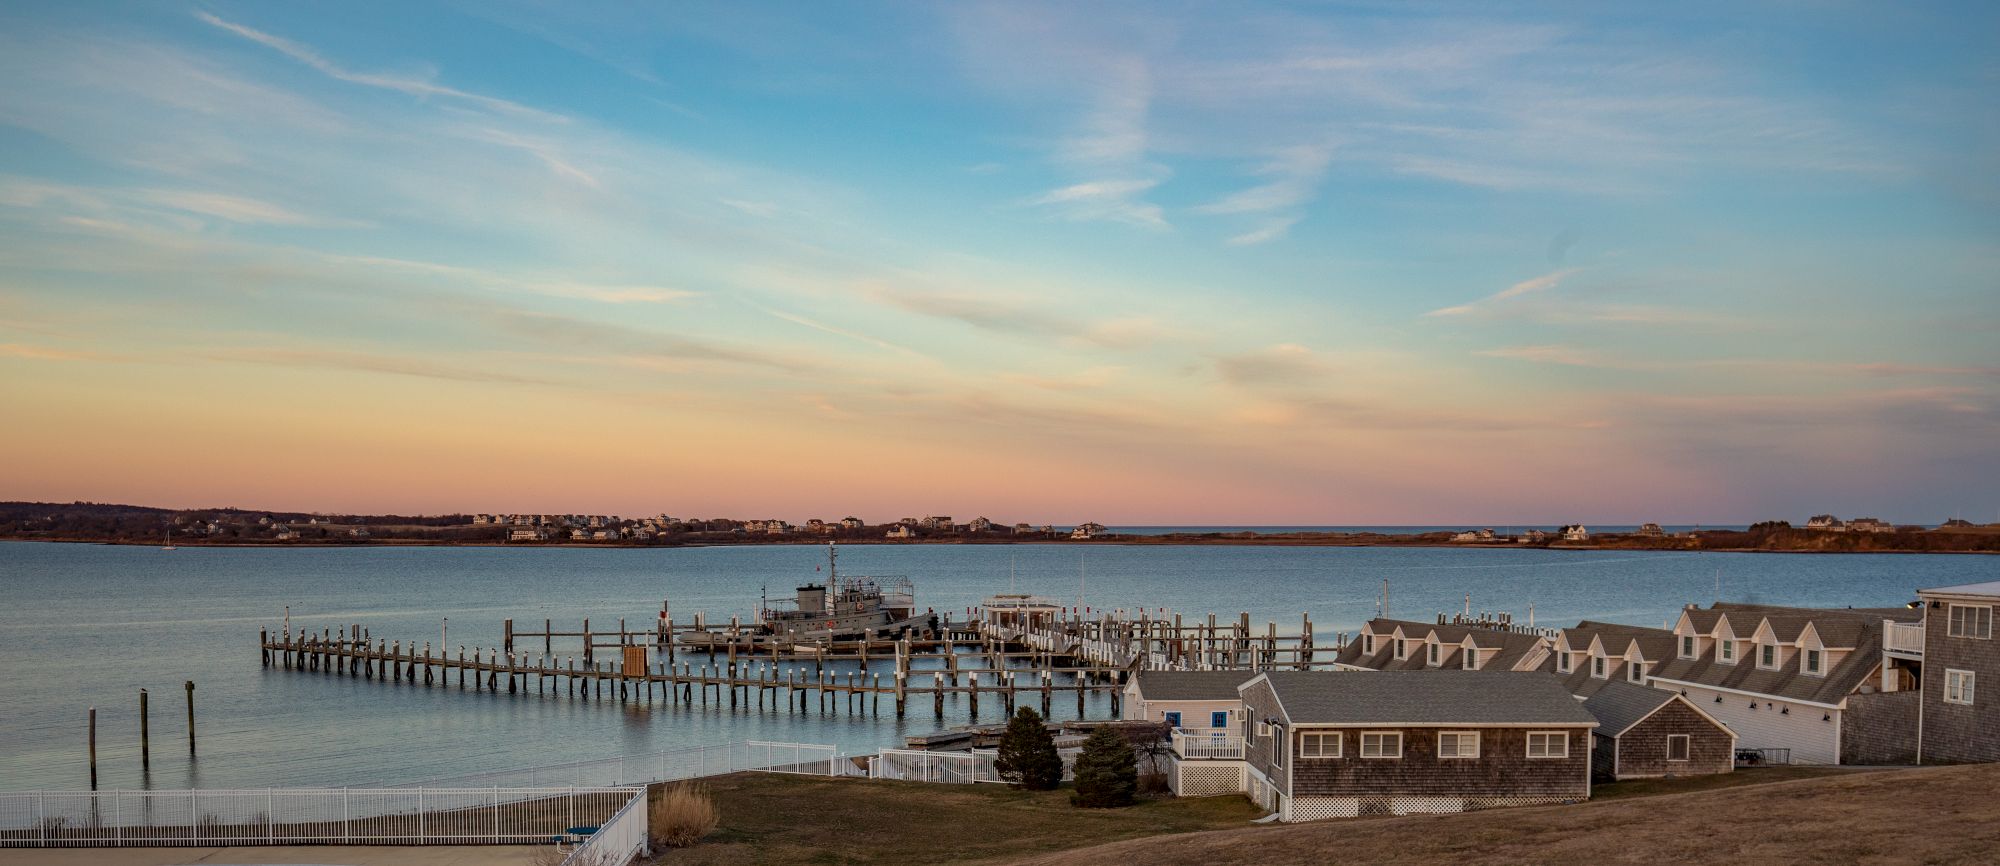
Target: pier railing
pixel 672 765
pixel 292 816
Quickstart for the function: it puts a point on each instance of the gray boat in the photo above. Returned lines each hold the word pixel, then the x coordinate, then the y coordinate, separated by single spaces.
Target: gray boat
pixel 842 608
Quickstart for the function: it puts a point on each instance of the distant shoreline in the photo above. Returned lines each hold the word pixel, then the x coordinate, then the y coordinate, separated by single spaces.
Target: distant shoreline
pixel 1102 541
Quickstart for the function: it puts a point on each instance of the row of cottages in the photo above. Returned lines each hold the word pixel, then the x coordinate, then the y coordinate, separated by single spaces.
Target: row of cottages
pixel 1811 686
pixel 1309 745
pixel 1642 733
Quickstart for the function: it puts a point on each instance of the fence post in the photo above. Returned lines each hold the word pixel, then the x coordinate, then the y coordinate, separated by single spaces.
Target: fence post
pixel 346 818
pixel 421 838
pixel 270 818
pixel 496 810
pixel 194 815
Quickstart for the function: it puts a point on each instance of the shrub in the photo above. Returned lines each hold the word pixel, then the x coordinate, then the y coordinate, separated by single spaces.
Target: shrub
pixel 681 815
pixel 1107 772
pixel 1027 757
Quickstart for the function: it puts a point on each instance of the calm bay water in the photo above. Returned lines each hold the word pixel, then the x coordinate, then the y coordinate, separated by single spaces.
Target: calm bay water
pixel 84 625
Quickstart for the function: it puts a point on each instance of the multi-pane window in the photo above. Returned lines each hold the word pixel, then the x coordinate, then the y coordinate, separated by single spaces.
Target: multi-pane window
pixel 1597 667
pixel 1958 687
pixel 1433 651
pixel 1971 620
pixel 1636 672
pixel 1562 662
pixel 1218 719
pixel 1319 745
pixel 1548 744
pixel 1687 646
pixel 1767 655
pixel 1368 643
pixel 1726 651
pixel 1677 747
pixel 1402 650
pixel 1381 744
pixel 1458 744
pixel 1469 659
pixel 1813 661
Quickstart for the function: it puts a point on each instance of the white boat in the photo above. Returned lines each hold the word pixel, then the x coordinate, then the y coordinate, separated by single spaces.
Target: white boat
pixel 170 542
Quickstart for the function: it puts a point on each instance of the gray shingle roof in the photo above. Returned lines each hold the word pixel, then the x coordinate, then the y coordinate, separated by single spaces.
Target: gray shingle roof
pixel 1426 698
pixel 1620 705
pixel 1191 685
pixel 1513 646
pixel 1991 587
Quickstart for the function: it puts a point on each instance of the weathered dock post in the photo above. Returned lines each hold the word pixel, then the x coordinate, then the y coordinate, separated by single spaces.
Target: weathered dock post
pixel 189 685
pixel 264 644
pixel 589 654
pixel 145 737
pixel 937 693
pixel 93 748
pixel 1305 656
pixel 507 635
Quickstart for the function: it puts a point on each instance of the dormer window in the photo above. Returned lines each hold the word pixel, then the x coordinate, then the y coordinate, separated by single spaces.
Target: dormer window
pixel 1597 667
pixel 1402 650
pixel 1725 652
pixel 1470 661
pixel 1814 663
pixel 1562 662
pixel 1687 646
pixel 1432 660
pixel 1635 672
pixel 1767 656
pixel 1367 643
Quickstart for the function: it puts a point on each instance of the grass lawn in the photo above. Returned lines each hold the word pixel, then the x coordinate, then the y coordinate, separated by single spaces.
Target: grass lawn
pixel 776 819
pixel 1755 776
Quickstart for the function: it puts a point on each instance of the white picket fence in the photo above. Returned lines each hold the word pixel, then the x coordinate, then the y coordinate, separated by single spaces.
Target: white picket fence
pixel 285 816
pixel 694 762
pixel 618 841
pixel 949 768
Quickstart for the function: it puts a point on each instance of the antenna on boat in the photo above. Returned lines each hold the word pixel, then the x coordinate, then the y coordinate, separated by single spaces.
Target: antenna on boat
pixel 1079 584
pixel 1718 583
pixel 1012 559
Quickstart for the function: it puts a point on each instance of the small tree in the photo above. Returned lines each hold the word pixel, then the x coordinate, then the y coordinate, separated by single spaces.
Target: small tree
pixel 1027 757
pixel 1107 772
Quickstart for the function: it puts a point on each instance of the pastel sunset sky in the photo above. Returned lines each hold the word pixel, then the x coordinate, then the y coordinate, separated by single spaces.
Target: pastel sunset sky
pixel 1168 263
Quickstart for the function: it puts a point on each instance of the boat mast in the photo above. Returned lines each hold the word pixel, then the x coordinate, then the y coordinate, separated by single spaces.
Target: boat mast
pixel 832 575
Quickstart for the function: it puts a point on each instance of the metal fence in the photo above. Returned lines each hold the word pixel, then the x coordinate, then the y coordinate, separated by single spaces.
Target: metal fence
pixel 617 841
pixel 670 766
pixel 950 768
pixel 283 816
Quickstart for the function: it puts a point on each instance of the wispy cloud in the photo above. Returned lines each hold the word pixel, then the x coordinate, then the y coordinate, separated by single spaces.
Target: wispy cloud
pixel 1282 364
pixel 856 336
pixel 401 84
pixel 1113 200
pixel 1525 287
pixel 336 359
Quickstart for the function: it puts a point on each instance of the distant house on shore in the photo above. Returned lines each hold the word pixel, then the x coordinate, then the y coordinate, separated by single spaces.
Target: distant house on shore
pixel 1956 523
pixel 1087 530
pixel 526 533
pixel 1651 530
pixel 980 524
pixel 1575 532
pixel 1827 523
pixel 1870 524
pixel 850 523
pixel 901 530
pixel 1534 536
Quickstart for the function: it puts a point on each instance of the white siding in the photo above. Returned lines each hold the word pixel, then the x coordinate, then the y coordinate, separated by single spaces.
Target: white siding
pixel 1804 730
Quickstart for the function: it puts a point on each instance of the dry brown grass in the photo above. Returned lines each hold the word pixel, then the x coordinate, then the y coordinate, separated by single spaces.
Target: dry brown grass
pixel 1931 815
pixel 682 814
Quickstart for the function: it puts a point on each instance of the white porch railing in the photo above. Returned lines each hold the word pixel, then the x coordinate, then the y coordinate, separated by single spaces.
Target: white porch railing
pixel 1215 744
pixel 287 816
pixel 1903 637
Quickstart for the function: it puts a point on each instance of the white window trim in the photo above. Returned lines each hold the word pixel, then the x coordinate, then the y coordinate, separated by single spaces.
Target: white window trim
pixel 1432 654
pixel 1363 750
pixel 1688 648
pixel 1322 737
pixel 1563 664
pixel 1562 736
pixel 1402 649
pixel 1725 652
pixel 1600 667
pixel 1367 643
pixel 1635 672
pixel 1687 750
pixel 1775 662
pixel 1470 659
pixel 1805 662
pixel 1951 624
pixel 1967 686
pixel 1461 735
pixel 1263 729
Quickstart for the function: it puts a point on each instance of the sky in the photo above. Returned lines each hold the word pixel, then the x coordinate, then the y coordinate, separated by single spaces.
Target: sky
pixel 1146 263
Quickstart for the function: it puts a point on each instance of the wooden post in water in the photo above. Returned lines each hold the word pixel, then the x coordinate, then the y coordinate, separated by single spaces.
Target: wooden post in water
pixel 189 685
pixel 145 737
pixel 93 748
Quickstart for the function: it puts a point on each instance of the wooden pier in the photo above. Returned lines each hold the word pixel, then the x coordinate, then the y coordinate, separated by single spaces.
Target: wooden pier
pixel 1000 656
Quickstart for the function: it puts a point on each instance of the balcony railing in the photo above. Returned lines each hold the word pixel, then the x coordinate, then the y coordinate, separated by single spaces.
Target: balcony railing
pixel 1207 744
pixel 1903 637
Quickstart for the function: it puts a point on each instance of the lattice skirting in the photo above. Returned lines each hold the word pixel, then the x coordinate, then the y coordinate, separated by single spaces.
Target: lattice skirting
pixel 1206 779
pixel 1321 808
